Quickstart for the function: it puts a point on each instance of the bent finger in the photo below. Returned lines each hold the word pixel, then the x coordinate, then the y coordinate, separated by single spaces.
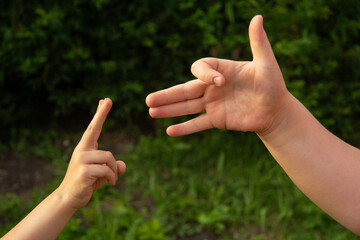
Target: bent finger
pixel 102 171
pixel 189 90
pixel 100 157
pixel 121 167
pixel 178 109
pixel 206 69
pixel 194 125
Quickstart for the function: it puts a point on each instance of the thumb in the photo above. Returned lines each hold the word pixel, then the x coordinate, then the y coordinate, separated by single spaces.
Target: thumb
pixel 259 43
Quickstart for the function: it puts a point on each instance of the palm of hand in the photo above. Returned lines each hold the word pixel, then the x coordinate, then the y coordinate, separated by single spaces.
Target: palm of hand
pixel 247 102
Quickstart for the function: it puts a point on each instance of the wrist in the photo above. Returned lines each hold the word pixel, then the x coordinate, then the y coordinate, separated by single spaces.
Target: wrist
pixel 281 115
pixel 63 200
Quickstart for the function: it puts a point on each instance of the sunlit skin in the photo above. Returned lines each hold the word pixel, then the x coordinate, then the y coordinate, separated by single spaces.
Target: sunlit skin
pixel 246 96
pixel 252 96
pixel 88 170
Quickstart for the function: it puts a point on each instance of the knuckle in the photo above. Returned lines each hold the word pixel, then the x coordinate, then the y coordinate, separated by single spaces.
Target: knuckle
pixel 108 155
pixel 80 156
pixel 109 172
pixel 76 156
pixel 82 171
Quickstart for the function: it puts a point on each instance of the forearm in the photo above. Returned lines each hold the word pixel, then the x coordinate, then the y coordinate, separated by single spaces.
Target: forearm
pixel 46 221
pixel 324 167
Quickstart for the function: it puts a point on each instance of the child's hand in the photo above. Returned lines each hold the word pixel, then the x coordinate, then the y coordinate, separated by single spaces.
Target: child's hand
pixel 243 96
pixel 90 168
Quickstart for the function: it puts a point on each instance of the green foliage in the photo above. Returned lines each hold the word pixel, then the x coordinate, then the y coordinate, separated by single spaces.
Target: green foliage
pixel 57 58
pixel 10 210
pixel 174 189
pixel 234 190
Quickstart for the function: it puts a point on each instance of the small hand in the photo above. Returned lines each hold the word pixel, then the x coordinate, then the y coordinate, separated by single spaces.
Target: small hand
pixel 243 96
pixel 90 168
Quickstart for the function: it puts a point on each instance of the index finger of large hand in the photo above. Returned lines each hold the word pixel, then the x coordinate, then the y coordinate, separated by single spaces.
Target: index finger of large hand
pixel 92 133
pixel 206 69
pixel 182 92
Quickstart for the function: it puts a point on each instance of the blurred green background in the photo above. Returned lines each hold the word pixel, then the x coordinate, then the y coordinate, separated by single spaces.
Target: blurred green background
pixel 58 58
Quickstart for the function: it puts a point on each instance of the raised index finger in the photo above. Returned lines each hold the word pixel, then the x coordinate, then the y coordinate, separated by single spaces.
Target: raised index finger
pixel 92 133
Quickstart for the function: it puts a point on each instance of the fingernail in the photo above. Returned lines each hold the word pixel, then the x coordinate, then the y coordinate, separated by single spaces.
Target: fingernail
pixel 218 81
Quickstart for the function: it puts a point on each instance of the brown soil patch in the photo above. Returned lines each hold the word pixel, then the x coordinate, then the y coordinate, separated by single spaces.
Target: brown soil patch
pixel 20 176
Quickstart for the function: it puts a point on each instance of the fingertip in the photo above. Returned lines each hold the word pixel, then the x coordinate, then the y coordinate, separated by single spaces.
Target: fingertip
pixel 219 81
pixel 156 112
pixel 106 105
pixel 172 131
pixel 149 111
pixel 259 16
pixel 148 100
pixel 154 99
pixel 121 167
pixel 169 131
pixel 100 103
pixel 111 178
pixel 152 112
pixel 256 27
pixel 108 101
pixel 258 19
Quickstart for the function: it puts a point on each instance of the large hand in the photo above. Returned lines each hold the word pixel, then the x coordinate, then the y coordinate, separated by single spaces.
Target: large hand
pixel 243 96
pixel 90 168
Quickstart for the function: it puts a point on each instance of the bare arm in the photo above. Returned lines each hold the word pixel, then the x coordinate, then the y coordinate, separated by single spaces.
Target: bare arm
pixel 323 166
pixel 46 221
pixel 252 96
pixel 88 170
